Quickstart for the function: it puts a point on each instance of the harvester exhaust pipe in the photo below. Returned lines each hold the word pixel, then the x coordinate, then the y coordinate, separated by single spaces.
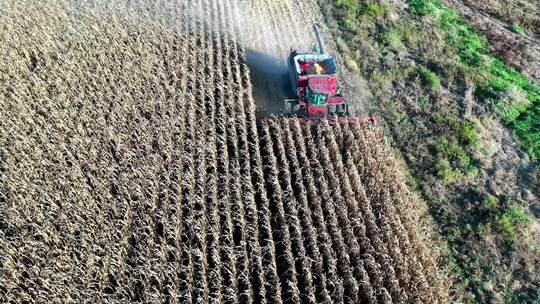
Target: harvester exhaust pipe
pixel 320 42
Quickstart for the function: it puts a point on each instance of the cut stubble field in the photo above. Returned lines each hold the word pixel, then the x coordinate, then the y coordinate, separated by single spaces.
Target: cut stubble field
pixel 133 168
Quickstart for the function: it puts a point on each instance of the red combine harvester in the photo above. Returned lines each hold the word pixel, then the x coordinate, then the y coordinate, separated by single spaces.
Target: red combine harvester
pixel 315 84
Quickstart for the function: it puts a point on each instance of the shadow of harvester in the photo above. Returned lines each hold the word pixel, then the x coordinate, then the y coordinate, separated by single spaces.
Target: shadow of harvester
pixel 271 84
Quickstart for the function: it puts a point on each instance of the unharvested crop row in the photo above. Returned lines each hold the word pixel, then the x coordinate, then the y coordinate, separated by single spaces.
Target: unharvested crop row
pixel 364 224
pixel 133 168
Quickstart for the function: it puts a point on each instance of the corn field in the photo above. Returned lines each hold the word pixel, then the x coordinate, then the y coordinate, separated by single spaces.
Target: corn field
pixel 133 169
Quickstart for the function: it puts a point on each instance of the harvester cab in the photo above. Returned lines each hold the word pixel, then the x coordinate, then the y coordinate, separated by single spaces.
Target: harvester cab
pixel 314 83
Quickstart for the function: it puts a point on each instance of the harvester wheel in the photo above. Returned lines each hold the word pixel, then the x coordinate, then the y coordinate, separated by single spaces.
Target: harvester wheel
pixel 302 111
pixel 342 110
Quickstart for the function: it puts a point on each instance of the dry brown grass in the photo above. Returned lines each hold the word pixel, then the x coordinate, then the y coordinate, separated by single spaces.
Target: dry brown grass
pixel 131 170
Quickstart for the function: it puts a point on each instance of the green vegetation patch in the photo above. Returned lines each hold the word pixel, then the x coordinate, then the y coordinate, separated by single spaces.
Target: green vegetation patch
pixel 512 220
pixel 516 28
pixel 496 83
pixel 501 217
pixel 430 79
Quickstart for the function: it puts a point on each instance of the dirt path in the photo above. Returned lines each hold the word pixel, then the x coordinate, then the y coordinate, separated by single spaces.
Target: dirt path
pixel 466 8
